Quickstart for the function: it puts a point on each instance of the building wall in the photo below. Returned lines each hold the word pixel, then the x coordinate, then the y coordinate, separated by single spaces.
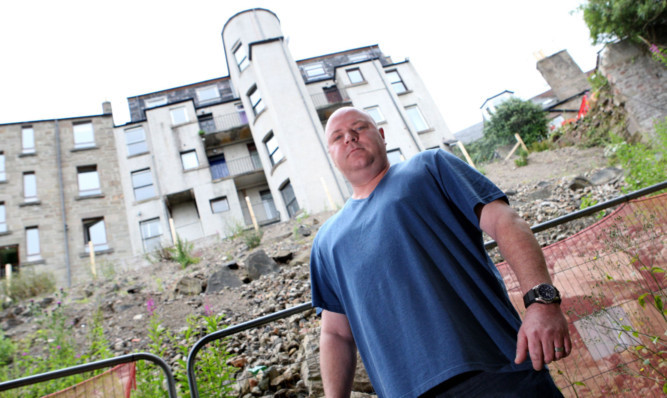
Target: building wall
pixel 639 81
pixel 46 213
pixel 563 75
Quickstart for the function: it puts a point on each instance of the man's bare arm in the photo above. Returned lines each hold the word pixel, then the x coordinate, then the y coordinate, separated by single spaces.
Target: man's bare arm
pixel 544 327
pixel 338 355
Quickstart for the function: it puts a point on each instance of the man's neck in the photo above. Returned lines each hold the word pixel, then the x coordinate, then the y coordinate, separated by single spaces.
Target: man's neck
pixel 363 189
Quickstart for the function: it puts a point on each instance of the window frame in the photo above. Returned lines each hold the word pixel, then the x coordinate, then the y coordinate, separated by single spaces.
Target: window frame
pixel 128 144
pixel 351 71
pixel 257 106
pixel 314 70
pixel 154 102
pixel 183 159
pixel 219 199
pixel 3 218
pixel 151 221
pixel 244 61
pixel 81 144
pixel 394 83
pixel 285 187
pixel 409 111
pixel 80 170
pixel 272 137
pixel 3 167
pixel 32 256
pixel 136 188
pixel 175 122
pixel 370 110
pixel 33 182
pixel 205 100
pixel 88 224
pixel 28 134
pixel 400 156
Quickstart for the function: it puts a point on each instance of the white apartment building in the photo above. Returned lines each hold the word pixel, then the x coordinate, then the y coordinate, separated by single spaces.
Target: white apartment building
pixel 203 155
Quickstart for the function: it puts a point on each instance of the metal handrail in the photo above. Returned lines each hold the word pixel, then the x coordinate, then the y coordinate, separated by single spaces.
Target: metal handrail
pixel 88 367
pixel 192 382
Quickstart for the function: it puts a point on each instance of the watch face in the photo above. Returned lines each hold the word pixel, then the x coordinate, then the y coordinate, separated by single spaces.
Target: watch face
pixel 546 292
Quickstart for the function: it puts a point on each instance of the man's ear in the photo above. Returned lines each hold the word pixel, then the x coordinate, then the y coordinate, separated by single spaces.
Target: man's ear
pixel 381 130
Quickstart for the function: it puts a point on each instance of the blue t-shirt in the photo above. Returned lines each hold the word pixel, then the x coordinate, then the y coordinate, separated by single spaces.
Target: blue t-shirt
pixel 407 266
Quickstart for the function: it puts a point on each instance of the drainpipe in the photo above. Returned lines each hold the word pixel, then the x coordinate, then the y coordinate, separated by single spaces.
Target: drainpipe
pixel 59 167
pixel 313 123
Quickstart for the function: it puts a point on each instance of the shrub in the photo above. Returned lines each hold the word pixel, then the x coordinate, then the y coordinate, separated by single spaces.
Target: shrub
pixel 182 252
pixel 28 283
pixel 639 20
pixel 252 238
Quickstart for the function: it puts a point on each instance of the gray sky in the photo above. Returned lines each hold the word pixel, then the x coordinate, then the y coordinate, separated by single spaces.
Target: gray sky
pixel 64 58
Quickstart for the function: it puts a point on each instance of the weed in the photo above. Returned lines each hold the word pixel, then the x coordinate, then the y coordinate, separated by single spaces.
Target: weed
pixel 522 160
pixel 253 238
pixel 182 253
pixel 28 284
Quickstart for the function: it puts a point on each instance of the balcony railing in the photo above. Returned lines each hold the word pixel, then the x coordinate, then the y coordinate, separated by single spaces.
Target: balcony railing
pixel 332 97
pixel 223 122
pixel 247 164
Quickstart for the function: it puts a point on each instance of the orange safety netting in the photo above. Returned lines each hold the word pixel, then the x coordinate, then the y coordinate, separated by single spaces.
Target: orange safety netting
pixel 611 276
pixel 114 383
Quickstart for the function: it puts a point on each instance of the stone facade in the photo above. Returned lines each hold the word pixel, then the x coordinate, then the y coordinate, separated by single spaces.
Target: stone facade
pixel 563 75
pixel 78 175
pixel 637 80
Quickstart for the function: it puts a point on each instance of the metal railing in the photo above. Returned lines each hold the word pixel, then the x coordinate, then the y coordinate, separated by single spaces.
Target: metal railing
pixel 224 122
pixel 89 367
pixel 246 164
pixel 325 99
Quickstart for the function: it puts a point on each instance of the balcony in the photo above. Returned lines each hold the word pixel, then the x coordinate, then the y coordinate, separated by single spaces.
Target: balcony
pixel 224 129
pixel 236 167
pixel 329 100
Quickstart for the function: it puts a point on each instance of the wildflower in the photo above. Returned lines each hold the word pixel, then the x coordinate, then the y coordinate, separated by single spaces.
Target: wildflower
pixel 150 306
pixel 23 354
pixel 208 310
pixel 57 347
pixel 654 49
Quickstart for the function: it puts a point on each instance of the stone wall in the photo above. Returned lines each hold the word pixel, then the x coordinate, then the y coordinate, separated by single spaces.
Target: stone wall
pixel 637 80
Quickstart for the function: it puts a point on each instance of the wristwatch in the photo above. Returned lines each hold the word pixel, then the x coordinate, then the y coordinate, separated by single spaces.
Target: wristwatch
pixel 543 293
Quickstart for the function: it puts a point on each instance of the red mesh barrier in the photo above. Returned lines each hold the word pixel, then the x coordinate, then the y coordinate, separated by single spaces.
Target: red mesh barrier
pixel 116 382
pixel 612 279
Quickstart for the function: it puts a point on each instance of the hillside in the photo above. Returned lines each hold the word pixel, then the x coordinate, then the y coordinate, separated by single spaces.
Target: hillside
pixel 538 191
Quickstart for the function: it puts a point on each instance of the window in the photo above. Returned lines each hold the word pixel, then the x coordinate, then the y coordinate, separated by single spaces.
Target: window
pixel 357 57
pixel 272 147
pixel 28 140
pixel 219 205
pixel 95 232
pixel 150 234
pixel 83 135
pixel 289 198
pixel 600 332
pixel 142 182
pixel 218 166
pixel 135 139
pixel 355 75
pixel 314 70
pixel 396 82
pixel 395 156
pixel 178 115
pixel 208 94
pixel 3 175
pixel 156 101
pixel 89 181
pixel 375 113
pixel 241 56
pixel 32 244
pixel 256 100
pixel 416 118
pixel 3 218
pixel 29 186
pixel 189 160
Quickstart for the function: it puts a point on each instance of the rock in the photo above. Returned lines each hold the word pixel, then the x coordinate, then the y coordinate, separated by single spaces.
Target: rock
pixel 283 256
pixel 579 182
pixel 222 278
pixel 608 175
pixel 259 263
pixel 303 231
pixel 189 286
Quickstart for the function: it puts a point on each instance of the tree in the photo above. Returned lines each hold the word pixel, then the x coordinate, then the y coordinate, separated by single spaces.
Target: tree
pixel 639 20
pixel 516 116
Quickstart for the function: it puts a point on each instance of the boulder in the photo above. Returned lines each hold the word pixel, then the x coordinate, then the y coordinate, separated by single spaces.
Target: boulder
pixel 259 263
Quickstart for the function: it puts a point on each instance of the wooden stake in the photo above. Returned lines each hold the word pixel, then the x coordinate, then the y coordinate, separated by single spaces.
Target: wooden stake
pixel 252 214
pixel 173 230
pixel 8 277
pixel 465 153
pixel 91 250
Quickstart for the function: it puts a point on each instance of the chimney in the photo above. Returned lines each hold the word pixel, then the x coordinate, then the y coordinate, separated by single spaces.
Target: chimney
pixel 563 75
pixel 106 108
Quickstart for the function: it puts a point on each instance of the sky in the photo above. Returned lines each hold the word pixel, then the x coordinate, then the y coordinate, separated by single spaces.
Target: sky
pixel 64 58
